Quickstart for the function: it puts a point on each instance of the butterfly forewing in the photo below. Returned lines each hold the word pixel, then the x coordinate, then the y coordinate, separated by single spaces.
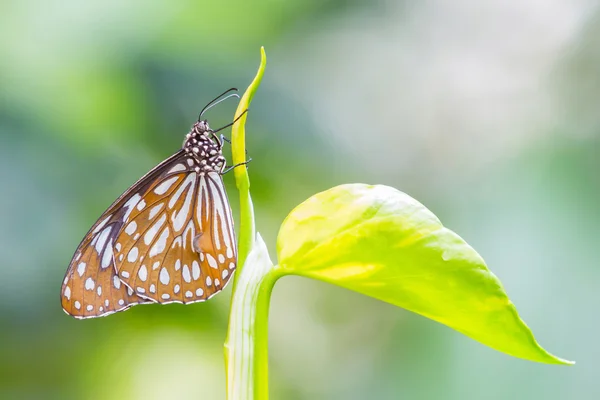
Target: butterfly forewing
pixel 89 291
pixel 169 238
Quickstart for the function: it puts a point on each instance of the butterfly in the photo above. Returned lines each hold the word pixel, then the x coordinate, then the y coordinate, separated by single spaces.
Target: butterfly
pixel 168 239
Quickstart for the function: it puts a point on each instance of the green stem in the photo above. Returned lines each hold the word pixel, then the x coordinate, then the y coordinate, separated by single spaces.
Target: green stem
pixel 247 333
pixel 247 346
pixel 242 181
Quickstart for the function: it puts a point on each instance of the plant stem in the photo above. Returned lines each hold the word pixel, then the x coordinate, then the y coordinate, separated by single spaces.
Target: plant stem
pixel 247 347
pixel 248 314
pixel 242 181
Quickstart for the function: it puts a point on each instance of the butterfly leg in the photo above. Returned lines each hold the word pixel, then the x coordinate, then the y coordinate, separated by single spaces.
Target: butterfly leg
pixel 230 124
pixel 236 165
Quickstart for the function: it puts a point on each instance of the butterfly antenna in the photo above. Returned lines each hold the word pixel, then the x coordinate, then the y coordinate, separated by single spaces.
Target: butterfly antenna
pixel 217 100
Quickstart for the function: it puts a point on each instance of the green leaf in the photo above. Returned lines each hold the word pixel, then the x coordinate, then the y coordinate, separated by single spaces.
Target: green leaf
pixel 381 242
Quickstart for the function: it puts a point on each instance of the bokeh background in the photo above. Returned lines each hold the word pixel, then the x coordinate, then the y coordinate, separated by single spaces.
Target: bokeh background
pixel 486 112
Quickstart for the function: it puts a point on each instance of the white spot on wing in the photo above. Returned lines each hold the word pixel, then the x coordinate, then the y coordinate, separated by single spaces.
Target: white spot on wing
pixel 186 274
pixel 125 274
pixel 163 187
pixel 101 224
pixel 177 168
pixel 176 289
pixel 231 265
pixel 153 288
pixel 177 264
pixel 116 282
pixel 102 240
pixel 81 268
pixel 195 270
pixel 161 243
pixel 221 258
pixel 165 296
pixel 141 205
pixel 164 276
pixel 77 305
pixel 211 261
pixel 133 254
pixel 99 290
pixel 179 218
pixel 219 211
pixel 189 180
pixel 202 206
pixel 149 236
pixel 229 252
pixel 130 204
pixel 189 229
pixel 215 226
pixel 208 281
pixel 90 307
pixel 90 284
pixel 107 257
pixel 177 241
pixel 131 228
pixel 188 294
pixel 199 292
pixel 154 210
pixel 224 274
pixel 143 273
pixel 121 302
pixel 155 265
pixel 223 209
pixel 68 293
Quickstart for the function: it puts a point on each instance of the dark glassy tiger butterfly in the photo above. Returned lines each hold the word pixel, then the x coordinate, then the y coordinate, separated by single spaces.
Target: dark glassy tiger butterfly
pixel 168 239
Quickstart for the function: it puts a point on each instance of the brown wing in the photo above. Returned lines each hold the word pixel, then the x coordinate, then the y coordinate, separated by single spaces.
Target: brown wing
pixel 180 248
pixel 91 287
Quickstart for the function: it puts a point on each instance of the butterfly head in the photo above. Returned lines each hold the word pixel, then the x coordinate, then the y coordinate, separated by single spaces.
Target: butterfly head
pixel 203 147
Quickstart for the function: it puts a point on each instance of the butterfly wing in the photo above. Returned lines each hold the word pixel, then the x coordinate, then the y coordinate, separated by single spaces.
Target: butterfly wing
pixel 91 287
pixel 180 247
pixel 90 290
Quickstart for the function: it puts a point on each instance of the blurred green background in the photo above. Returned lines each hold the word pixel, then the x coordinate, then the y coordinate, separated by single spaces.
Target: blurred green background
pixel 487 112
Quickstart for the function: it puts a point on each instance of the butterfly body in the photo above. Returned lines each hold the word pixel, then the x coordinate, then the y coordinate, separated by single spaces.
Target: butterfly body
pixel 169 238
pixel 204 148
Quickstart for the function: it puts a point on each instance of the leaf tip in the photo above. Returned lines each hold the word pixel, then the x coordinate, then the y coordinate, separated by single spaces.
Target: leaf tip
pixel 560 361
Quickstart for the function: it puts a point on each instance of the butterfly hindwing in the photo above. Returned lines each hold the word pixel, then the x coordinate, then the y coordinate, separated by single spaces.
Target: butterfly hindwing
pixel 181 248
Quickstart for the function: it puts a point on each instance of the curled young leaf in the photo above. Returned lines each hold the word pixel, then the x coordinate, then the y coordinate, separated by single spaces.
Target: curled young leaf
pixel 381 242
